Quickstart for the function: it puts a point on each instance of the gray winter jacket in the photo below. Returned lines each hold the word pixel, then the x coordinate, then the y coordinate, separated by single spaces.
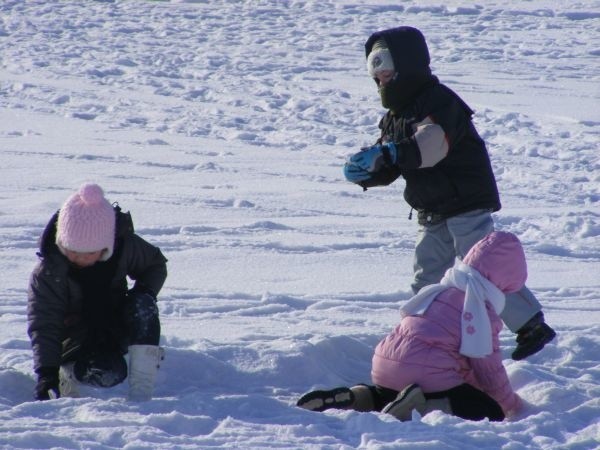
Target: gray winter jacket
pixel 55 299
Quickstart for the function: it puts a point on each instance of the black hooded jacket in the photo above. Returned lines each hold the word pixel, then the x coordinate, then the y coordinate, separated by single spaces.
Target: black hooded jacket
pixel 461 181
pixel 69 307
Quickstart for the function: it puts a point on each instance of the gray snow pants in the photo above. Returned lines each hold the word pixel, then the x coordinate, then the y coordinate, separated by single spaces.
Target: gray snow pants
pixel 439 244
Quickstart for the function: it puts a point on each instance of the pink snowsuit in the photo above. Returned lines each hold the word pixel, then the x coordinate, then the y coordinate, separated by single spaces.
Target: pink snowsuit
pixel 425 349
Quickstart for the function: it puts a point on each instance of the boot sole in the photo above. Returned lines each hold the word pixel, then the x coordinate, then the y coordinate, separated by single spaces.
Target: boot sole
pixel 338 398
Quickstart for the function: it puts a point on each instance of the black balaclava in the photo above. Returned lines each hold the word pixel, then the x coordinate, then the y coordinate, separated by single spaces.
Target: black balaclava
pixel 411 62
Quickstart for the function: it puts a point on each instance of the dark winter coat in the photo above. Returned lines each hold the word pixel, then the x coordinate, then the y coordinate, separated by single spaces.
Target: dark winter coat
pixel 443 159
pixel 70 307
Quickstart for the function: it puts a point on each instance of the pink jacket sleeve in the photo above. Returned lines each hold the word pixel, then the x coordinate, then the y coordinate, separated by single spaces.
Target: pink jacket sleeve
pixel 492 377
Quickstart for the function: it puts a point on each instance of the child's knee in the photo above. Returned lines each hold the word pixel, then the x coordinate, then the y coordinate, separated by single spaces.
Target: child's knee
pixel 106 370
pixel 143 319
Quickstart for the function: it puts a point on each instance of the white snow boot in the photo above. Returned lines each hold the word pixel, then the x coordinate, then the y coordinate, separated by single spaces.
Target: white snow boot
pixel 68 385
pixel 412 398
pixel 144 361
pixel 409 399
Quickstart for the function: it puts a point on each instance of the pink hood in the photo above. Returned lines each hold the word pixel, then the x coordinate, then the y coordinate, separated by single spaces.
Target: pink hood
pixel 425 349
pixel 500 258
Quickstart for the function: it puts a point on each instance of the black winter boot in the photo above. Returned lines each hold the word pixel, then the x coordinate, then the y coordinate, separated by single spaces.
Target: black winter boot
pixel 532 337
pixel 338 398
pixel 359 398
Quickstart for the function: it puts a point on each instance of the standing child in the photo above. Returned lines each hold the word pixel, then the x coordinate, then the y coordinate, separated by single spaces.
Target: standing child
pixel 445 353
pixel 82 318
pixel 428 137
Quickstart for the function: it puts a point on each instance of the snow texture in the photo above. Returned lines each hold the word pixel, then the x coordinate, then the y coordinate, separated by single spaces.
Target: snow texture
pixel 223 127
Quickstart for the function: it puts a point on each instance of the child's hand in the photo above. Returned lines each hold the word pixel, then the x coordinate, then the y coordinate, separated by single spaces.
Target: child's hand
pixel 517 406
pixel 373 166
pixel 47 385
pixel 355 174
pixel 372 159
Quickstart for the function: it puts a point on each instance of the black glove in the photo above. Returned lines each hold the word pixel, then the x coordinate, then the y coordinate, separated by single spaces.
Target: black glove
pixel 47 385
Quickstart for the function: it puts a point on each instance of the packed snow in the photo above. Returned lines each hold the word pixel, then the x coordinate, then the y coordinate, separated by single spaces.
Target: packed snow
pixel 223 127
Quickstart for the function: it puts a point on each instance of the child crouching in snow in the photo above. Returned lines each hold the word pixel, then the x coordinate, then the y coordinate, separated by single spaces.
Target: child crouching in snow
pixel 445 353
pixel 82 318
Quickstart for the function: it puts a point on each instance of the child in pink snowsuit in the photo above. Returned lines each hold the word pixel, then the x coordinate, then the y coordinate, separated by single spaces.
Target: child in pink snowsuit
pixel 445 353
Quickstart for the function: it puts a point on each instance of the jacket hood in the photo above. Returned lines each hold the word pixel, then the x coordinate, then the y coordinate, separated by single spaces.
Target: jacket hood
pixel 500 258
pixel 408 48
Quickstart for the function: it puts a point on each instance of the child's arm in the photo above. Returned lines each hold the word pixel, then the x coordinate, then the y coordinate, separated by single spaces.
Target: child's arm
pixel 443 121
pixel 46 307
pixel 492 377
pixel 146 265
pixel 493 380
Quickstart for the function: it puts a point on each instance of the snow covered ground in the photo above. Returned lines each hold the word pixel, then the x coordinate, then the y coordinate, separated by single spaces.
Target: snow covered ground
pixel 223 126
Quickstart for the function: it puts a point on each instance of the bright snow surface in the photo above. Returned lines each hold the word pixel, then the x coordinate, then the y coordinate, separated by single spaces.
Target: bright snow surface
pixel 223 127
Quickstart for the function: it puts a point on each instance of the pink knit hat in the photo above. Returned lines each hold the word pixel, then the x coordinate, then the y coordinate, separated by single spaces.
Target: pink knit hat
pixel 86 222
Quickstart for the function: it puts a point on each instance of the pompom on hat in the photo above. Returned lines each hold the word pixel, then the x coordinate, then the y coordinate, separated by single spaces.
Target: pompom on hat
pixel 86 222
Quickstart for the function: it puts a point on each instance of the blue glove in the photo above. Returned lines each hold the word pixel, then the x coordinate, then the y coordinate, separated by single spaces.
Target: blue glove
pixel 372 159
pixel 355 174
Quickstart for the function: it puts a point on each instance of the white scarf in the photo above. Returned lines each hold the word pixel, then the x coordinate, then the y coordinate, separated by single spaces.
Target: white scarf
pixel 476 341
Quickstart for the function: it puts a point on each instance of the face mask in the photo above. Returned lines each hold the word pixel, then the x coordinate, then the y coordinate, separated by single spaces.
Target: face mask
pixel 393 94
pixel 400 91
